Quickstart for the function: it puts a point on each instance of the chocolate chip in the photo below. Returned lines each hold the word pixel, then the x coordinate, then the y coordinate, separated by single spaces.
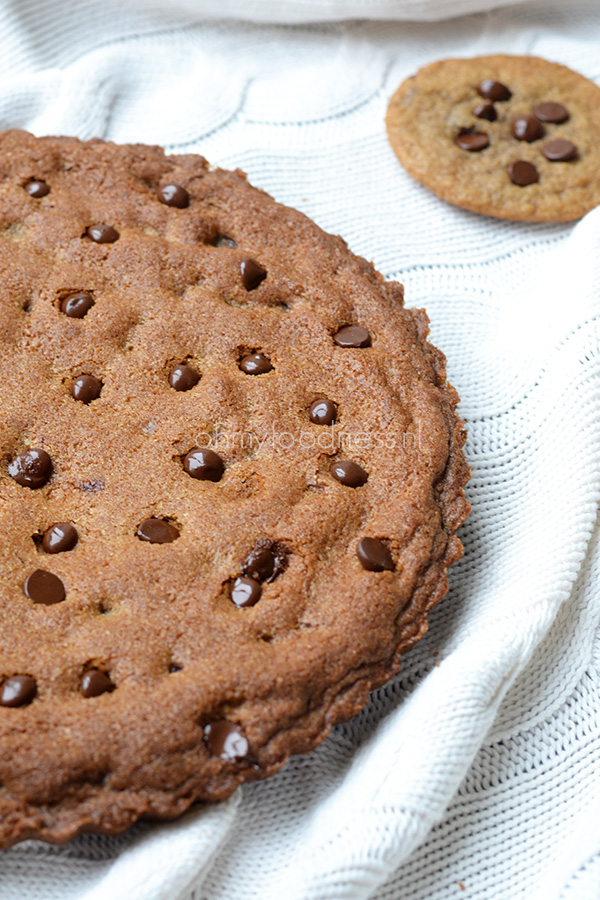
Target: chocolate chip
pixel 86 388
pixel 32 468
pixel 349 473
pixel 183 377
pixel 523 173
pixel 245 591
pixel 226 740
pixel 95 682
pixel 60 537
pixel 527 128
pixel 322 412
pixel 37 189
pixel 44 587
pixel 352 336
pixel 486 111
pixel 173 195
pixel 224 241
pixel 18 691
pixel 549 111
pixel 472 141
pixel 157 531
pixel 559 150
pixel 374 555
pixel 266 561
pixel 102 234
pixel 259 564
pixel 252 273
pixel 175 667
pixel 256 364
pixel 494 90
pixel 203 464
pixel 77 305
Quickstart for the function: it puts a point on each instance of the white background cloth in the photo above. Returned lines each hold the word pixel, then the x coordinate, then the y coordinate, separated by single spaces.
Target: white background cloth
pixel 475 772
pixel 294 11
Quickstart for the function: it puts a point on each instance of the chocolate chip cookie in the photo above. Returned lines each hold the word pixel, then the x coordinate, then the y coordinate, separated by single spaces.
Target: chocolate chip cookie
pixel 516 137
pixel 231 473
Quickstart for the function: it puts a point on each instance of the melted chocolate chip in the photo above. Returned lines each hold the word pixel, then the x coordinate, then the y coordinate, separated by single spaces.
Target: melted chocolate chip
pixel 349 473
pixel 226 740
pixel 44 587
pixel 183 377
pixel 550 111
pixel 86 388
pixel 60 538
pixel 203 464
pixel 95 682
pixel 18 691
pixel 374 555
pixel 224 241
pixel 266 561
pixel 322 412
pixel 494 90
pixel 523 173
pixel 157 531
pixel 559 150
pixel 352 336
pixel 32 468
pixel 486 111
pixel 77 305
pixel 256 364
pixel 173 195
pixel 472 141
pixel 102 234
pixel 245 591
pixel 259 564
pixel 252 273
pixel 37 189
pixel 527 128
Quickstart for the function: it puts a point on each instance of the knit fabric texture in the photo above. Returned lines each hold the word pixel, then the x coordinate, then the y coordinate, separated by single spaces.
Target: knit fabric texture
pixel 475 772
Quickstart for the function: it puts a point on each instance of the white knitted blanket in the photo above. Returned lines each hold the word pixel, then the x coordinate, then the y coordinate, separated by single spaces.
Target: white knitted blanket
pixel 476 772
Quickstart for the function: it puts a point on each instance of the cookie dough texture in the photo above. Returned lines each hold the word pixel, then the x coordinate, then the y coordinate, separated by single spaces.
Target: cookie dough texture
pixel 429 110
pixel 152 688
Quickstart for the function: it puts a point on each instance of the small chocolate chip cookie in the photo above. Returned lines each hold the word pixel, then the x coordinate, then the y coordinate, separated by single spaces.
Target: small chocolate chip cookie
pixel 516 137
pixel 231 473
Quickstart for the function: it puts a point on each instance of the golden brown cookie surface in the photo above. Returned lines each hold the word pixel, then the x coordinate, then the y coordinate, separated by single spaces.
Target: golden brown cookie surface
pixel 516 137
pixel 230 476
